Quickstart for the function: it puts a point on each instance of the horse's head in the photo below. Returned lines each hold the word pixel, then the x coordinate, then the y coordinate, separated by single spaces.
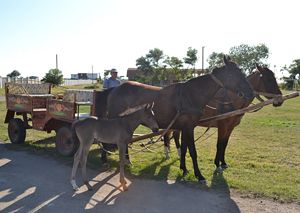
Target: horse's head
pixel 148 119
pixel 231 77
pixel 263 81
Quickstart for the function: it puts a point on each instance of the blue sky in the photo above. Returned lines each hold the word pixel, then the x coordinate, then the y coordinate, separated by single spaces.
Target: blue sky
pixel 109 34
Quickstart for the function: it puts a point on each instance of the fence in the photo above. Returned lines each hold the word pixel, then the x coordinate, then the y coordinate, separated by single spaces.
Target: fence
pixel 67 82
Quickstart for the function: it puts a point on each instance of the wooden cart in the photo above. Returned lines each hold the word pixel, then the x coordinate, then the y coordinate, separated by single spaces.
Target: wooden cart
pixel 33 106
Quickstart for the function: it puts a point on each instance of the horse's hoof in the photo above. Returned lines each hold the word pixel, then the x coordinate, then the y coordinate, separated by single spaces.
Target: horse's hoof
pixel 219 170
pixel 224 166
pixel 76 188
pixel 203 182
pixel 185 173
pixel 125 188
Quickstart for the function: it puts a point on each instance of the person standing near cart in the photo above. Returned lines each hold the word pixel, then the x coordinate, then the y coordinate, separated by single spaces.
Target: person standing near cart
pixel 108 83
pixel 112 81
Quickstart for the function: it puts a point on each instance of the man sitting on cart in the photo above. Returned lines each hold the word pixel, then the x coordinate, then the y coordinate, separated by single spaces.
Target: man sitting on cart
pixel 112 81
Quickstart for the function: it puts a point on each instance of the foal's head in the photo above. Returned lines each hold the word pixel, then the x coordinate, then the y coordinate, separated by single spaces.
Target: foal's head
pixel 148 119
pixel 232 78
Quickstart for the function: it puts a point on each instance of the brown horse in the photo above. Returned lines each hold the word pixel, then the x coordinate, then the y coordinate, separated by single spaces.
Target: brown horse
pixel 262 81
pixel 185 101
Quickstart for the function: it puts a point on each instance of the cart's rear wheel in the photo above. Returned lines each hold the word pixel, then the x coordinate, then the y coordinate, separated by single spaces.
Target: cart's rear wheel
pixel 64 142
pixel 16 131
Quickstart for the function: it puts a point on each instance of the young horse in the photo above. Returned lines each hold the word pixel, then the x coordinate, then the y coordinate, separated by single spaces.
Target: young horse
pixel 183 101
pixel 113 131
pixel 262 81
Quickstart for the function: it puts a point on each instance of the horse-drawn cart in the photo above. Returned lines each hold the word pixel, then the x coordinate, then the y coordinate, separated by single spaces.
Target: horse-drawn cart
pixel 32 106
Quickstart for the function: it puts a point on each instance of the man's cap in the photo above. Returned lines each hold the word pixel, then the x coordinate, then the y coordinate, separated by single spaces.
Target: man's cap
pixel 113 70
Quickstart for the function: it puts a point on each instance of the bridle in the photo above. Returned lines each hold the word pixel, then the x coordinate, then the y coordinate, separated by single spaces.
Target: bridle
pixel 218 82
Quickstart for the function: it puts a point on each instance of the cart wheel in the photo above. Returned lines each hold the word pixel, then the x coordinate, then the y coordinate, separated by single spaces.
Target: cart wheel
pixel 64 142
pixel 16 131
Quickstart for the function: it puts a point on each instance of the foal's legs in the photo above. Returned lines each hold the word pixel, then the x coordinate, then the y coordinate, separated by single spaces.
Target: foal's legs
pixel 83 165
pixel 77 158
pixel 122 153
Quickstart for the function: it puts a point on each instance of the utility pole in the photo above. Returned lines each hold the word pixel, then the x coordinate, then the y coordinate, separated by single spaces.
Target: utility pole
pixel 56 62
pixel 92 74
pixel 202 58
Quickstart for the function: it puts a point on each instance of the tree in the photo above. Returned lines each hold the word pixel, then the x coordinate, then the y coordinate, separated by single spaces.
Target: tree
pixel 152 66
pixel 248 56
pixel 190 59
pixel 54 76
pixel 294 71
pixel 244 55
pixel 175 65
pixel 215 60
pixel 14 74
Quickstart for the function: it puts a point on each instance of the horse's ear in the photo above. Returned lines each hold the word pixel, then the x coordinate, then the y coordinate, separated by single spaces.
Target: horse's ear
pixel 258 67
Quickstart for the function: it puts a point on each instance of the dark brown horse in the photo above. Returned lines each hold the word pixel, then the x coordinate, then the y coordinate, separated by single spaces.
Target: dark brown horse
pixel 262 81
pixel 186 101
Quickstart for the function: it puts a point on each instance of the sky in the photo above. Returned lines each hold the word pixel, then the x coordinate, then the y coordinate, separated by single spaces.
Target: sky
pixel 106 34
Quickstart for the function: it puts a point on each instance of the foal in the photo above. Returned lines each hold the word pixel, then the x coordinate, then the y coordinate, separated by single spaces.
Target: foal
pixel 117 131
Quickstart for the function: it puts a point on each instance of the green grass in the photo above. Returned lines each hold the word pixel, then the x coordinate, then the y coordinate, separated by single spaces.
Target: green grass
pixel 263 154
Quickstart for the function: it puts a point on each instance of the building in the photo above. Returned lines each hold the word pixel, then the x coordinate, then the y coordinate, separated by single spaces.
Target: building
pixel 86 76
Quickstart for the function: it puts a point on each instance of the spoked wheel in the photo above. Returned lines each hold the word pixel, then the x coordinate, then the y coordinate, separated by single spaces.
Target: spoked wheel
pixel 64 142
pixel 16 131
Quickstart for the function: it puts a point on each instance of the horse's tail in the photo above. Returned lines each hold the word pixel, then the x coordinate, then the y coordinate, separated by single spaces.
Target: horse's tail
pixel 101 103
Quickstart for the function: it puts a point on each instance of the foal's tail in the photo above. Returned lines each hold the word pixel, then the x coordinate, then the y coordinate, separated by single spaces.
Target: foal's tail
pixel 100 103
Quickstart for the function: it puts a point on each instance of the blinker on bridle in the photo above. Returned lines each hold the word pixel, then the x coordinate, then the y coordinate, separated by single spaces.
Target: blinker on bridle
pixel 240 94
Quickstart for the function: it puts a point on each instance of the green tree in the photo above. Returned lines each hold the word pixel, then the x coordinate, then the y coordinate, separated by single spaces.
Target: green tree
pixel 294 71
pixel 14 74
pixel 152 66
pixel 215 60
pixel 248 56
pixel 244 55
pixel 191 59
pixel 175 65
pixel 54 76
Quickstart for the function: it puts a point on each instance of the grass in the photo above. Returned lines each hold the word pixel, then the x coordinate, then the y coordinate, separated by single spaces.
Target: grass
pixel 263 154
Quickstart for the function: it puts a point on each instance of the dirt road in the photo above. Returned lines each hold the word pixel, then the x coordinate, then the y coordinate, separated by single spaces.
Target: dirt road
pixel 35 183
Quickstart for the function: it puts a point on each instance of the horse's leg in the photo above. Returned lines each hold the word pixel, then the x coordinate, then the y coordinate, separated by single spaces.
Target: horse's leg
pixel 188 136
pixel 176 136
pixel 77 158
pixel 83 161
pixel 103 154
pixel 127 159
pixel 222 159
pixel 167 144
pixel 122 152
pixel 223 137
pixel 183 149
